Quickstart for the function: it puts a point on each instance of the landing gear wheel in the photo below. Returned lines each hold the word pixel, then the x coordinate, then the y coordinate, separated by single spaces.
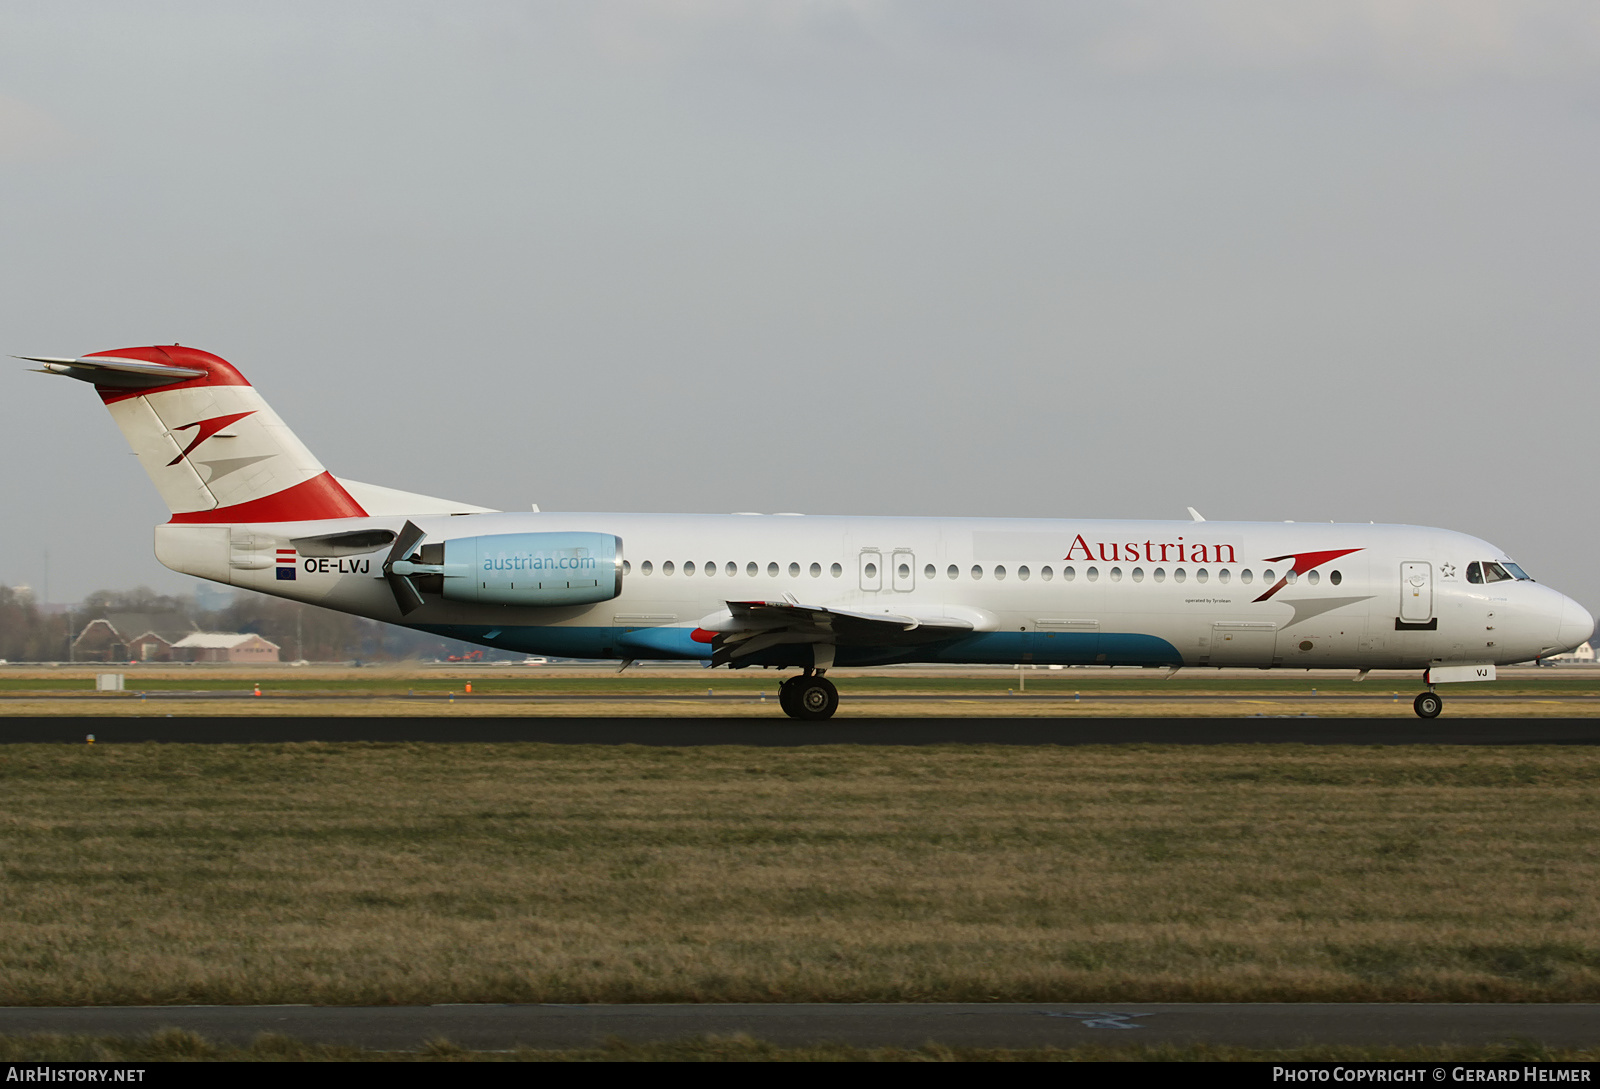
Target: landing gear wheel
pixel 788 697
pixel 1428 705
pixel 814 699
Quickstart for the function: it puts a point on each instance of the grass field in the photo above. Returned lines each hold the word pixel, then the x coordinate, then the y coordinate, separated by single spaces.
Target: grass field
pixel 400 873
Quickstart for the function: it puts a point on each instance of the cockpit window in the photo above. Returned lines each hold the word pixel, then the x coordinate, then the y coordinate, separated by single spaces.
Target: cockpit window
pixel 1516 572
pixel 1493 572
pixel 1475 573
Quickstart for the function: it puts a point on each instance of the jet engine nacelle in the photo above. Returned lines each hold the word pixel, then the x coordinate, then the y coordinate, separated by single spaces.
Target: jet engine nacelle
pixel 529 569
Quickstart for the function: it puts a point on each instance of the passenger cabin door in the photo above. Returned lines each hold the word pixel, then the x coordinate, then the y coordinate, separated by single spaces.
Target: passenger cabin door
pixel 1416 593
pixel 904 570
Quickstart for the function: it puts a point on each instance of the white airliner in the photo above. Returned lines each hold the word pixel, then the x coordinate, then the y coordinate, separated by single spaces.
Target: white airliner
pixel 251 507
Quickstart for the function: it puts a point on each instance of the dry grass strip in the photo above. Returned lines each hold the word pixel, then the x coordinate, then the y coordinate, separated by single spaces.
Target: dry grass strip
pixel 412 873
pixel 177 1045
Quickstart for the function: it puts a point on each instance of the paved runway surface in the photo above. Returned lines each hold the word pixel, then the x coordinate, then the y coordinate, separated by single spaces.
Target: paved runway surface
pixel 1265 1025
pixel 844 731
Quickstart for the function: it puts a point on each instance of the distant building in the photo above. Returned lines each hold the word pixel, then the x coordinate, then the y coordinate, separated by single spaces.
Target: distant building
pixel 131 637
pixel 1583 654
pixel 205 646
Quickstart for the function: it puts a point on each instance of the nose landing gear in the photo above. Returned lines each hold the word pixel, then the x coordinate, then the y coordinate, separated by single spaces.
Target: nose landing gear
pixel 809 697
pixel 1428 705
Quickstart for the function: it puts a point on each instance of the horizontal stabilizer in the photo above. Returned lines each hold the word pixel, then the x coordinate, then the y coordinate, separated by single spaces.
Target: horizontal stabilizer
pixel 113 373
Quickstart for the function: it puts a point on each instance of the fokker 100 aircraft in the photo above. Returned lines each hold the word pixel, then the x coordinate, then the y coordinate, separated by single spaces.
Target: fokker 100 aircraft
pixel 251 507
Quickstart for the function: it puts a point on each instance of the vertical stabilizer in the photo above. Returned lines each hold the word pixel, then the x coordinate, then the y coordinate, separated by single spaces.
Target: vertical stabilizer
pixel 215 450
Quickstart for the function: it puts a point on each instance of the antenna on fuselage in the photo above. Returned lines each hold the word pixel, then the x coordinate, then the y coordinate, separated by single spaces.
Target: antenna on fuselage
pixel 1196 515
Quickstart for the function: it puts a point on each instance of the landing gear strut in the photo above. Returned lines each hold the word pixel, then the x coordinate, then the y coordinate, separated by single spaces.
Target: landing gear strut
pixel 1428 705
pixel 810 697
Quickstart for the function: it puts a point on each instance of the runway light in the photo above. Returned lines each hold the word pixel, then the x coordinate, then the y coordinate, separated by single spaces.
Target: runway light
pixel 89 739
pixel 258 689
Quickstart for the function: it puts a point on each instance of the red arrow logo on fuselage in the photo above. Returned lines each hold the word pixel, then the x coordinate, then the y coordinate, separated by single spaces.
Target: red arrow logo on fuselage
pixel 207 429
pixel 1303 562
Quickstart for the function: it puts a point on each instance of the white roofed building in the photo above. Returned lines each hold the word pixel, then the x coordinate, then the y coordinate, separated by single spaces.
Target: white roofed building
pixel 205 646
pixel 1582 653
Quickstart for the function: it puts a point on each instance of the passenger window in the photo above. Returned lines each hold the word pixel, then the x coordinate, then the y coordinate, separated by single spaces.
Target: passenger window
pixel 645 567
pixel 794 570
pixel 1022 573
pixel 1266 576
pixel 626 567
pixel 732 569
pixel 1313 578
pixel 666 568
pixel 1223 575
pixel 816 570
pixel 751 568
pixel 871 570
pixel 1244 576
pixel 835 570
pixel 772 570
pixel 1160 574
pixel 1177 574
pixel 977 572
pixel 1138 574
pixel 688 568
pixel 1335 578
pixel 930 571
pixel 1068 574
pixel 1092 574
pixel 999 572
pixel 954 571
pixel 711 567
pixel 1201 575
pixel 1116 574
pixel 903 571
pixel 1046 574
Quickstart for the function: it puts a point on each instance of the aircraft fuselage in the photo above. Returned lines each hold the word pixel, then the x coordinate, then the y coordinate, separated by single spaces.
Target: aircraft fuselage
pixel 1069 592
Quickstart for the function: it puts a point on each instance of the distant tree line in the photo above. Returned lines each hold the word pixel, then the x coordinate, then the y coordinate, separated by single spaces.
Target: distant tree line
pixel 301 631
pixel 27 635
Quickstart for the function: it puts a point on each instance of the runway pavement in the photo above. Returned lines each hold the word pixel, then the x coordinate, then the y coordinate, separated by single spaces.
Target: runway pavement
pixel 769 731
pixel 1009 1025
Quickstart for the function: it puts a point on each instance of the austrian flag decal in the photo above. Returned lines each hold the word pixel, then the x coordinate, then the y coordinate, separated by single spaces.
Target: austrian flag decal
pixel 286 564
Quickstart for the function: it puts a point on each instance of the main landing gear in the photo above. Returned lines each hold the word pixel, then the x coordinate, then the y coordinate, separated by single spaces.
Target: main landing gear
pixel 810 697
pixel 1428 705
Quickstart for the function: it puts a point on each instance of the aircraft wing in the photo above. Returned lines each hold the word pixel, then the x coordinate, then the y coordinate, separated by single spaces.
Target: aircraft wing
pixel 751 626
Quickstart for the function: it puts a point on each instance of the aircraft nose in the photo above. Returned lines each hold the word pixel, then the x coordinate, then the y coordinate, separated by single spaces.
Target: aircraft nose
pixel 1576 625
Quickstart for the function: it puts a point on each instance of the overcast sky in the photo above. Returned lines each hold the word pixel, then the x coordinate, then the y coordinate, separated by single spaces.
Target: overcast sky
pixel 1310 261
